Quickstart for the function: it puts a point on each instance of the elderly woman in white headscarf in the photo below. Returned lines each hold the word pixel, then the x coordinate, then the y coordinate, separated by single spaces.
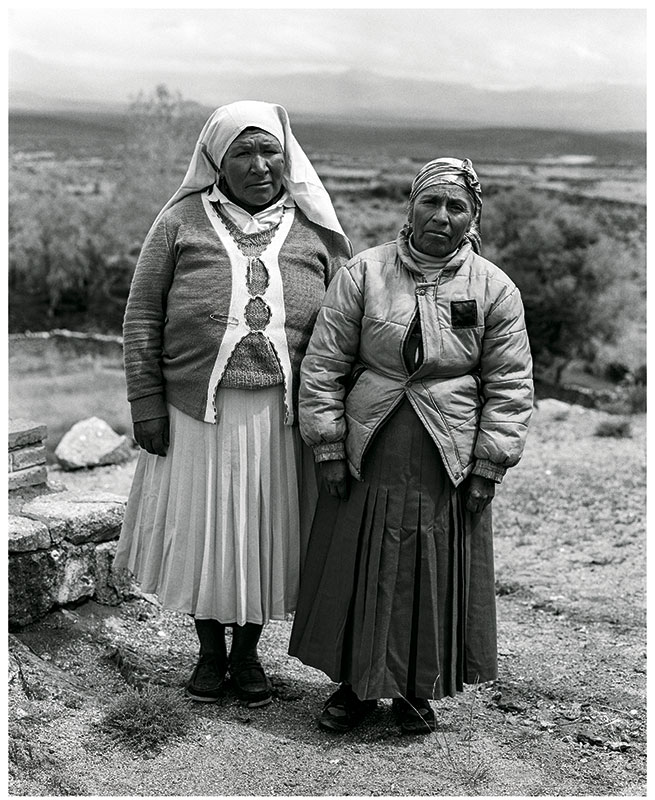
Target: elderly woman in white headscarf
pixel 418 383
pixel 223 301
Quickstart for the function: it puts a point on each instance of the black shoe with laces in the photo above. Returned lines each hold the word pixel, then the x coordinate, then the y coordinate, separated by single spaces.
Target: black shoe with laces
pixel 250 682
pixel 343 710
pixel 206 682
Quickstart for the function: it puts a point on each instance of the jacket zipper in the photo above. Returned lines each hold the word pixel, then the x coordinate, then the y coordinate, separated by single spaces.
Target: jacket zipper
pixel 429 394
pixel 417 314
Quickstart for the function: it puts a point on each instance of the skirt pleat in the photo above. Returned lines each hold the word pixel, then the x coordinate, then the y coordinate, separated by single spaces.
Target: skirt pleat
pixel 219 526
pixel 397 593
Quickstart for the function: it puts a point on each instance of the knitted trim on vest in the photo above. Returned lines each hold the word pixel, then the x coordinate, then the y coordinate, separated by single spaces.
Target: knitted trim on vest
pixel 254 351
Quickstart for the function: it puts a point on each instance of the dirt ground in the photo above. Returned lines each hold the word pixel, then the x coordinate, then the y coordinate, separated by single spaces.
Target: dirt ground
pixel 566 717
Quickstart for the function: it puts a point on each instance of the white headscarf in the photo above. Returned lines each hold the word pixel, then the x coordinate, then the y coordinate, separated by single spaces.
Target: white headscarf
pixel 300 178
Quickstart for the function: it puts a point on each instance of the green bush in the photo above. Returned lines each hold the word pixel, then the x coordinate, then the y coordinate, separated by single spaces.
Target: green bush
pixel 579 287
pixel 636 398
pixel 148 718
pixel 73 240
pixel 617 428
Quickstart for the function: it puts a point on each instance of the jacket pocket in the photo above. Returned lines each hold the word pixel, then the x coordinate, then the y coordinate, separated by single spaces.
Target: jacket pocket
pixel 463 313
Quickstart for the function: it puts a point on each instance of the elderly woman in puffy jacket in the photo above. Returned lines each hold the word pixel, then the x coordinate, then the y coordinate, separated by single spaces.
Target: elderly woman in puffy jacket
pixel 417 383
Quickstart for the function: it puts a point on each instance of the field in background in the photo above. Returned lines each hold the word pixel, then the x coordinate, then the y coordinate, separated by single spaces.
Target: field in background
pixel 354 156
pixel 366 168
pixel 58 385
pixel 73 135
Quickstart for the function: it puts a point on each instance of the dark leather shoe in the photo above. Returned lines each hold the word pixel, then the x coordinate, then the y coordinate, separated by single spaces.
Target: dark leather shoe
pixel 250 682
pixel 414 715
pixel 343 710
pixel 206 682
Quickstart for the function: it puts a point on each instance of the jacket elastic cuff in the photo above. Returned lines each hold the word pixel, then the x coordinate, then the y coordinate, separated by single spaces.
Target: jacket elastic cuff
pixel 329 451
pixel 488 469
pixel 150 407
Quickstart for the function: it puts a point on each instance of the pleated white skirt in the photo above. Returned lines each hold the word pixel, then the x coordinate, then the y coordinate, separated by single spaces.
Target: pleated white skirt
pixel 218 527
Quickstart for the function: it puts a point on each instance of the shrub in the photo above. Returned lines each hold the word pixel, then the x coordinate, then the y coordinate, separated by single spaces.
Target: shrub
pixel 618 428
pixel 147 718
pixel 616 371
pixel 578 286
pixel 636 398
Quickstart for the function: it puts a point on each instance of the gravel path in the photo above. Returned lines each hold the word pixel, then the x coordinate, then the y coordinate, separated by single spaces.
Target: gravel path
pixel 566 716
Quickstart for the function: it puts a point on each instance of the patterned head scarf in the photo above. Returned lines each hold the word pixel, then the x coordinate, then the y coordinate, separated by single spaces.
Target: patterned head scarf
pixel 459 173
pixel 300 178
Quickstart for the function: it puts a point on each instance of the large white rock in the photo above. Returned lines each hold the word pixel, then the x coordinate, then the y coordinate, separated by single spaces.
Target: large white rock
pixel 92 443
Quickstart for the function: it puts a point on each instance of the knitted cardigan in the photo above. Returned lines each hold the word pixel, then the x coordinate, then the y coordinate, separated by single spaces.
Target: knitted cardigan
pixel 177 312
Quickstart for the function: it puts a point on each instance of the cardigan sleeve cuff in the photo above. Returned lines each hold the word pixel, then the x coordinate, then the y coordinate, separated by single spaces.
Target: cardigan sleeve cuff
pixel 150 407
pixel 329 451
pixel 488 469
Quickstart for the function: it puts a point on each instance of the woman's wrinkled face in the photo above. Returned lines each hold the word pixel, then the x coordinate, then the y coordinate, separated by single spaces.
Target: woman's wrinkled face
pixel 253 168
pixel 440 217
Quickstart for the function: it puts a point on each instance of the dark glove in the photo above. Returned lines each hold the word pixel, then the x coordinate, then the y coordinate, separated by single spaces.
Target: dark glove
pixel 336 478
pixel 479 493
pixel 152 435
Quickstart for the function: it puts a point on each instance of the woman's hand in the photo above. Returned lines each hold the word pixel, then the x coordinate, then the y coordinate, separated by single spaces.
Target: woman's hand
pixel 335 476
pixel 152 435
pixel 479 493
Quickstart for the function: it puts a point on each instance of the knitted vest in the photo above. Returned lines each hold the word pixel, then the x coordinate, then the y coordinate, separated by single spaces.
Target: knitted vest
pixel 182 306
pixel 254 351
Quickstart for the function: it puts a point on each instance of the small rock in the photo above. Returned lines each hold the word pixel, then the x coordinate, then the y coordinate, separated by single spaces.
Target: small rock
pixel 586 736
pixel 92 443
pixel 551 407
pixel 509 703
pixel 618 747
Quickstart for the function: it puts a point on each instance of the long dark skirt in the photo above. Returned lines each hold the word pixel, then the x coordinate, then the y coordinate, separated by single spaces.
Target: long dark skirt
pixel 397 590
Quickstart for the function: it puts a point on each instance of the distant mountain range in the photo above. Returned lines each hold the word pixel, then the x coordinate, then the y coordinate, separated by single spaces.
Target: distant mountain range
pixel 357 96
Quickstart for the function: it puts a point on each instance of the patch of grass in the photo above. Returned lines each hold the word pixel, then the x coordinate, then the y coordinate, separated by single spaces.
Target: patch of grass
pixel 618 428
pixel 148 718
pixel 504 587
pixel 470 768
pixel 636 398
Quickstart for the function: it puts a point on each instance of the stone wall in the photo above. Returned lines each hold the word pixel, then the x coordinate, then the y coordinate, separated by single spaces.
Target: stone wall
pixel 26 454
pixel 65 344
pixel 61 543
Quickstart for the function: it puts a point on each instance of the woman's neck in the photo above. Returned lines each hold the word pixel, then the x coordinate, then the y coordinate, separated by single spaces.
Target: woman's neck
pixel 425 259
pixel 252 210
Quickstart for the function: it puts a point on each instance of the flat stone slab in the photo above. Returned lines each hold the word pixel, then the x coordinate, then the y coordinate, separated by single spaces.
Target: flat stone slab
pixel 77 517
pixel 26 535
pixel 23 432
pixel 25 478
pixel 25 457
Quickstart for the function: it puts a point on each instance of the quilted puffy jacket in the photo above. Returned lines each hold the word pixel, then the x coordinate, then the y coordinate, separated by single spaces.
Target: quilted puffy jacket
pixel 473 391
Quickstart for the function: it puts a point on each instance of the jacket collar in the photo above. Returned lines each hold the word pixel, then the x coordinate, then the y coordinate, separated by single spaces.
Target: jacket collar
pixel 406 260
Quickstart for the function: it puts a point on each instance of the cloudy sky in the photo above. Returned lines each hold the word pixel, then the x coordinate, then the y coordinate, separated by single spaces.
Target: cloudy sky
pixel 487 48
